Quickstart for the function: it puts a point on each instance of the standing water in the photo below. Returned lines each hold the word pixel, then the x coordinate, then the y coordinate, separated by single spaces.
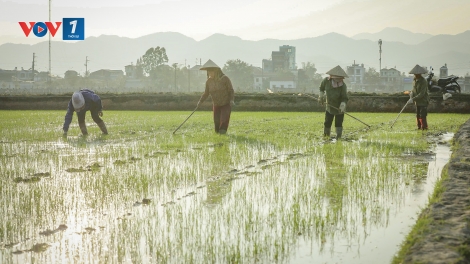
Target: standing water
pixel 380 243
pixel 258 195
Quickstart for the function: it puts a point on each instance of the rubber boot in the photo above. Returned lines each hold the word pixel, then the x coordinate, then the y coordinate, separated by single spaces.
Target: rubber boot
pixel 326 132
pixel 424 123
pixel 83 128
pixel 102 126
pixel 418 122
pixel 339 132
pixel 221 131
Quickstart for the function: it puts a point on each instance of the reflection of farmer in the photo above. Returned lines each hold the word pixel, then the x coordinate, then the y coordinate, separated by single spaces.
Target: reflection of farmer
pixel 336 175
pixel 333 91
pixel 420 96
pixel 221 183
pixel 219 87
pixel 81 102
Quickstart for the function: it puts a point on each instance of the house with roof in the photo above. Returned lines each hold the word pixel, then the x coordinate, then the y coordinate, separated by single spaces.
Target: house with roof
pixel 282 83
pixel 356 73
pixel 261 79
pixel 390 75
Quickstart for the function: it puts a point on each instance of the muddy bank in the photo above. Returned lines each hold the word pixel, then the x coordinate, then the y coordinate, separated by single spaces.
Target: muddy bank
pixel 244 102
pixel 446 236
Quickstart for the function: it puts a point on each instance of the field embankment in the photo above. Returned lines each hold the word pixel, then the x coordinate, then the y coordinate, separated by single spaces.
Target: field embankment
pixel 244 102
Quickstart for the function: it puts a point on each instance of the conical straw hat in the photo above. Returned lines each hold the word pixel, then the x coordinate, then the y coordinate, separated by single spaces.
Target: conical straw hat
pixel 418 70
pixel 337 71
pixel 209 64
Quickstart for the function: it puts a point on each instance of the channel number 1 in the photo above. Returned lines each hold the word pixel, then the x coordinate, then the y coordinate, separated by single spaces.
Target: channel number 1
pixel 74 25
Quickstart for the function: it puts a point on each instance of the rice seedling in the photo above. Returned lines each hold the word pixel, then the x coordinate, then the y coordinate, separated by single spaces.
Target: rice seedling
pixel 272 190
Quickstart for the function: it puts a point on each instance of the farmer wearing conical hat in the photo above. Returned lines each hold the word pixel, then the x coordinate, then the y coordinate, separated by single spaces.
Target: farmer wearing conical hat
pixel 333 91
pixel 81 102
pixel 420 96
pixel 219 87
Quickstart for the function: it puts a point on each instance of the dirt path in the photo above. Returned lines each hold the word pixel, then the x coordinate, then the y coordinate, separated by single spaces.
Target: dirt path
pixel 445 238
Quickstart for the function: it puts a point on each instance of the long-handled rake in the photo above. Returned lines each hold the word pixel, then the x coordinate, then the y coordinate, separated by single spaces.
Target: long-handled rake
pixel 185 120
pixel 335 108
pixel 400 112
pixel 399 115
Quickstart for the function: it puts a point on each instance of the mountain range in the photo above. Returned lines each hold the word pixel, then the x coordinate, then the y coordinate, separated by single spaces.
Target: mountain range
pixel 395 34
pixel 400 49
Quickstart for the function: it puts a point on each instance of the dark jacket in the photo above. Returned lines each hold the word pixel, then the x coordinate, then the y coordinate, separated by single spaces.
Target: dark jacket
pixel 334 96
pixel 92 103
pixel 420 92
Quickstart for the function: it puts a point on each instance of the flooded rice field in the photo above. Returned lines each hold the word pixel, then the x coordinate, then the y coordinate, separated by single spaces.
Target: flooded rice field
pixel 272 190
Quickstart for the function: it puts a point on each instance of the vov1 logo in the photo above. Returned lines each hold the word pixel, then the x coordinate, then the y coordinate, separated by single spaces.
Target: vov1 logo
pixel 72 28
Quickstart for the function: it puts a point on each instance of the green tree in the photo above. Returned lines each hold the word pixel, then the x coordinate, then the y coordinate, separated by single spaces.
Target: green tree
pixel 152 59
pixel 308 77
pixel 309 69
pixel 166 78
pixel 371 77
pixel 240 73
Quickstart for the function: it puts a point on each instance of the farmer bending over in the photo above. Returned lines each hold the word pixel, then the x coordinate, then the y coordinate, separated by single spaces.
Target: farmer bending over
pixel 81 102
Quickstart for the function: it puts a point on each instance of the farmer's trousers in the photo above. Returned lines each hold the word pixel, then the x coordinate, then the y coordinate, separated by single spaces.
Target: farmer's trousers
pixel 94 115
pixel 421 111
pixel 329 120
pixel 221 117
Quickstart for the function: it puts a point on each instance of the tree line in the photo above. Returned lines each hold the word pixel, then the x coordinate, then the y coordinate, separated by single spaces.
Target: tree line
pixel 154 65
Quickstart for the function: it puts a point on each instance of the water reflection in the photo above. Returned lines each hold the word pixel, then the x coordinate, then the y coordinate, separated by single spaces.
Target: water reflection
pixel 335 188
pixel 279 206
pixel 394 204
pixel 219 184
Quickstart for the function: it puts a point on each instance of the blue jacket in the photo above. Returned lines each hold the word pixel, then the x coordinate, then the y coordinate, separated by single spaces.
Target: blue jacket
pixel 92 103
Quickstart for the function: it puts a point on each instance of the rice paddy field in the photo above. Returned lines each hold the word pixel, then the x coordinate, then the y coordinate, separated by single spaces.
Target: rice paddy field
pixel 272 190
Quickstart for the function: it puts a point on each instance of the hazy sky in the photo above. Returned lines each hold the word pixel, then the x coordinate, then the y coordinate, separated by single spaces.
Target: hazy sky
pixel 248 19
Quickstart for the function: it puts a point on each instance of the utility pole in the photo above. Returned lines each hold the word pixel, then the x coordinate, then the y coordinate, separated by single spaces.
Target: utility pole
pixel 86 66
pixel 86 70
pixel 189 78
pixel 32 66
pixel 50 73
pixel 175 65
pixel 262 79
pixel 380 57
pixel 380 61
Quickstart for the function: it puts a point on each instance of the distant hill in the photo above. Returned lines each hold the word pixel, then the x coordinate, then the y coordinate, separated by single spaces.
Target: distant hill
pixel 326 51
pixel 19 39
pixel 394 34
